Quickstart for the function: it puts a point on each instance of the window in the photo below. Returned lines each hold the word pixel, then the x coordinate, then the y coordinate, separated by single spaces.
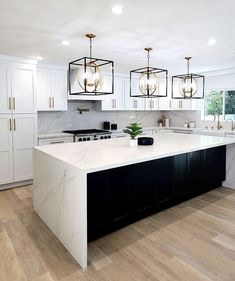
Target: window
pixel 219 102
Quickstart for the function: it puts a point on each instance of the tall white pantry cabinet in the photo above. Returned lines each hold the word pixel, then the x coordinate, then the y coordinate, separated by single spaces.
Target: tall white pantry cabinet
pixel 18 120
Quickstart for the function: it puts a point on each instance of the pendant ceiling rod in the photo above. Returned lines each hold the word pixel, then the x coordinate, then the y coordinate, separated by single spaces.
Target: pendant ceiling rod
pixel 90 36
pixel 148 55
pixel 188 63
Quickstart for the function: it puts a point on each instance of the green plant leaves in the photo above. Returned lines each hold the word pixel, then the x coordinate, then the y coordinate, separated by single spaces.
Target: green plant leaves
pixel 134 129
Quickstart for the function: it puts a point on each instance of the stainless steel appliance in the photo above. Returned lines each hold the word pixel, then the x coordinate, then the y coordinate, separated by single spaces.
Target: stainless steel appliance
pixel 89 134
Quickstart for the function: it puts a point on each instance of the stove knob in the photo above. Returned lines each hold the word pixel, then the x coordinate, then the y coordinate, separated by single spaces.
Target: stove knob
pixel 84 139
pixel 95 138
pixel 101 137
pixel 105 137
pixel 88 138
pixel 80 139
pixel 109 137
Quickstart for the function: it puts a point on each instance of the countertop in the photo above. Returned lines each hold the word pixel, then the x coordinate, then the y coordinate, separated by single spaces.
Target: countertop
pixel 100 155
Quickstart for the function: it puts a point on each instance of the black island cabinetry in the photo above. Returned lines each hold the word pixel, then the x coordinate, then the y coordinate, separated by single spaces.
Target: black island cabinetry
pixel 120 196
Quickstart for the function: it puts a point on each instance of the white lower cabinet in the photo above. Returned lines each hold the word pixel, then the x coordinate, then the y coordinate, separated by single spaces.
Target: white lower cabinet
pixel 6 153
pixel 16 144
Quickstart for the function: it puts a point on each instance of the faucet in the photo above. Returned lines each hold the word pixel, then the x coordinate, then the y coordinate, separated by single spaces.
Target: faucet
pixel 232 126
pixel 219 125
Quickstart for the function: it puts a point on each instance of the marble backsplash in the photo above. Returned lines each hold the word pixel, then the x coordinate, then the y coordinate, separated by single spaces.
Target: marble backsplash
pixel 53 122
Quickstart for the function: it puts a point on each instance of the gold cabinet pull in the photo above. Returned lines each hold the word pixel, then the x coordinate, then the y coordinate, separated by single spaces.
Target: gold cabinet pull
pixel 53 102
pixel 50 102
pixel 14 103
pixel 9 102
pixel 10 124
pixel 14 124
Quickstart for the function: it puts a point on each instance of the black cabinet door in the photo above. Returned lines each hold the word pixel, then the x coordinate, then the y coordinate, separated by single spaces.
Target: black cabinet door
pixel 195 172
pixel 214 167
pixel 98 215
pixel 180 177
pixel 120 196
pixel 162 182
pixel 142 187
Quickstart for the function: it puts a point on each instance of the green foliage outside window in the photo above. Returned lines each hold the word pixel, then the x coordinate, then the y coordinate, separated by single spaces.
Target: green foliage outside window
pixel 214 103
pixel 230 102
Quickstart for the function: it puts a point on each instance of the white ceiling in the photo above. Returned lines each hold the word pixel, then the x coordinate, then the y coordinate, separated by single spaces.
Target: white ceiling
pixel 174 28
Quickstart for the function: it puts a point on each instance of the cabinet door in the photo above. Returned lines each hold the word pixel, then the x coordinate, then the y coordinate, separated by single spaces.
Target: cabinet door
pixel 162 181
pixel 5 89
pixel 195 163
pixel 23 88
pixel 59 90
pixel 214 169
pixel 164 104
pixel 44 89
pixel 6 158
pixel 186 104
pixel 115 101
pixel 120 196
pixel 24 139
pixel 180 177
pixel 175 104
pixel 142 186
pixel 131 103
pixel 98 213
pixel 151 103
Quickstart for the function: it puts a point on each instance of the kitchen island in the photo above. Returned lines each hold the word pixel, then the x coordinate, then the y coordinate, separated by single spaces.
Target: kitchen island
pixel 85 190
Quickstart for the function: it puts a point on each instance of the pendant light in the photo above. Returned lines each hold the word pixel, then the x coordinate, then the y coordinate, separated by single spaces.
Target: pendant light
pixel 188 86
pixel 148 82
pixel 86 75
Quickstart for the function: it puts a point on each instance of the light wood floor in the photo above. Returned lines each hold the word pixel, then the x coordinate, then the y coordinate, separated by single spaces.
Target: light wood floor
pixel 192 241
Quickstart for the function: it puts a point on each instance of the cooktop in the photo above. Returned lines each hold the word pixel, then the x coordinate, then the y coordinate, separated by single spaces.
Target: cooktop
pixel 87 132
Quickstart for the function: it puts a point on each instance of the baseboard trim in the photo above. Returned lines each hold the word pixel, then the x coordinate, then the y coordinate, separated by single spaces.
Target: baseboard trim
pixel 15 184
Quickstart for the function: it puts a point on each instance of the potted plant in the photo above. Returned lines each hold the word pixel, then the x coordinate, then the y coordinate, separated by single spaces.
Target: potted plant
pixel 134 129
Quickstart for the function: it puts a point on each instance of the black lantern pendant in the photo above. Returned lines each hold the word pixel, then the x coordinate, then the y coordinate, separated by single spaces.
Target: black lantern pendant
pixel 188 86
pixel 86 75
pixel 148 82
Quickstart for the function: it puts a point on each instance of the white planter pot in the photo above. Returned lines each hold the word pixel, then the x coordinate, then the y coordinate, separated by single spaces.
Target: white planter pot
pixel 133 142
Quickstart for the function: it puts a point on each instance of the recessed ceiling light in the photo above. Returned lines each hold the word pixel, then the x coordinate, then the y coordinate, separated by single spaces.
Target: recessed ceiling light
pixel 211 42
pixel 39 58
pixel 65 43
pixel 117 9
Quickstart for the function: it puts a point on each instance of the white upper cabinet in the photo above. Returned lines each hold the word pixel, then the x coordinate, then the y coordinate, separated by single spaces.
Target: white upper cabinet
pixel 23 88
pixel 51 89
pixel 59 90
pixel 5 89
pixel 114 101
pixel 43 89
pixel 131 103
pixel 164 103
pixel 6 155
pixel 151 103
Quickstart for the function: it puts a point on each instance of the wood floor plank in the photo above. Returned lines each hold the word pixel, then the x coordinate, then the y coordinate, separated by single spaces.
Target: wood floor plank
pixel 26 250
pixel 10 269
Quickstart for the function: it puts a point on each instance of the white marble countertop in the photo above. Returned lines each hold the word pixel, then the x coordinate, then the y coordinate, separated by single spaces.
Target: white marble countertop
pixel 104 154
